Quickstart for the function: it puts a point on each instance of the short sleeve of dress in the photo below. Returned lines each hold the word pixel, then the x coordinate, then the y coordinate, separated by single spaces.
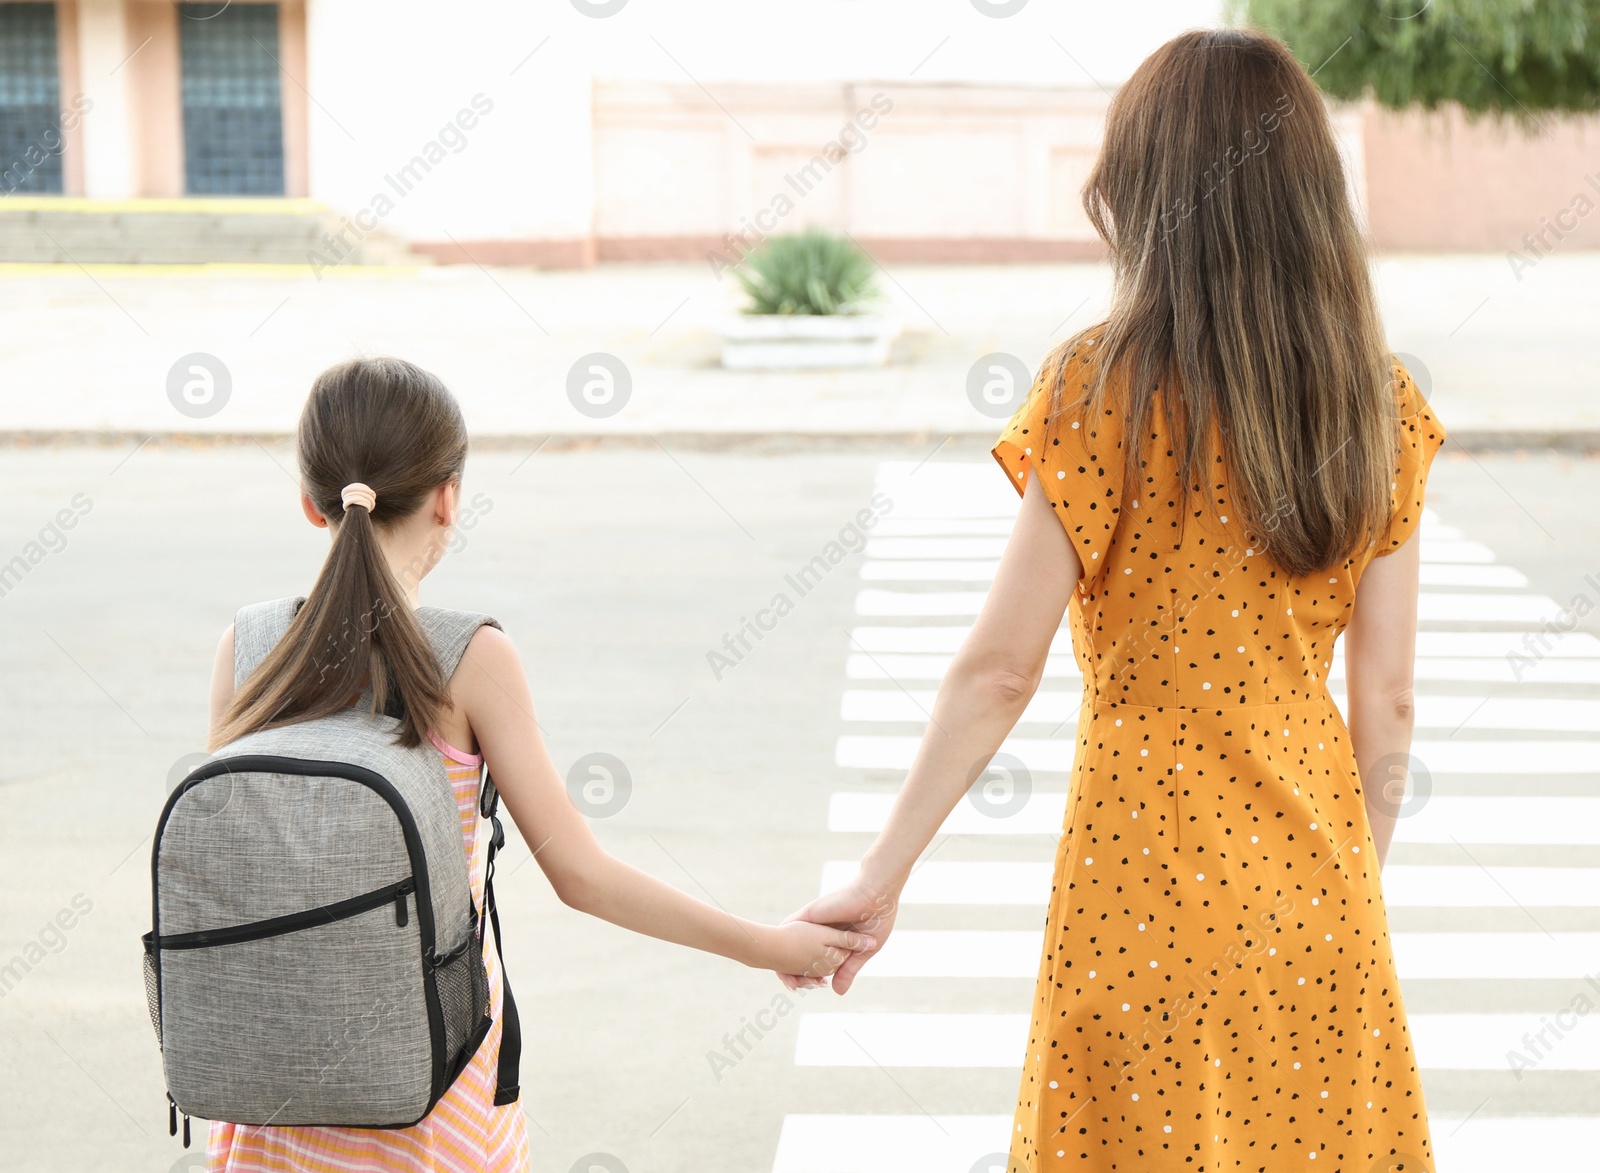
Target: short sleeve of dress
pixel 1421 437
pixel 1078 453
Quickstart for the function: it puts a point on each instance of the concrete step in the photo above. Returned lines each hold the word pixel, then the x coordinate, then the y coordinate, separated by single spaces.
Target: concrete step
pixel 43 230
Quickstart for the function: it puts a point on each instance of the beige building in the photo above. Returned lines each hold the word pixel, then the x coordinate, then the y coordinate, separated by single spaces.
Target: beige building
pixel 560 135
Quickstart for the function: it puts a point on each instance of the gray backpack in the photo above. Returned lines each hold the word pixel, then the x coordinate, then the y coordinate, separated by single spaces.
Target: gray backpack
pixel 316 958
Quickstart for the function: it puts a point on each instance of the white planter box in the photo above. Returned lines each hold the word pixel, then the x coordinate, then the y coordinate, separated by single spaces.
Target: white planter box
pixel 767 342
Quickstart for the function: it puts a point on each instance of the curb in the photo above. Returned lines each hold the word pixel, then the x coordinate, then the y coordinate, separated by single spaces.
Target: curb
pixel 1577 442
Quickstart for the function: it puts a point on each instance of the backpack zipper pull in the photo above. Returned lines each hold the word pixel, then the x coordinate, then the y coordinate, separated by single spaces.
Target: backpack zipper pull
pixel 400 917
pixel 172 1115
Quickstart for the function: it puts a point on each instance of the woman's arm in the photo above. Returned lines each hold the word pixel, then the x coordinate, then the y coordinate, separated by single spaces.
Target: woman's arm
pixel 492 688
pixel 989 683
pixel 1380 645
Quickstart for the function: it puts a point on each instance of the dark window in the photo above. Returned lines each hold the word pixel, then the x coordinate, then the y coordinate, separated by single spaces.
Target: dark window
pixel 232 113
pixel 30 100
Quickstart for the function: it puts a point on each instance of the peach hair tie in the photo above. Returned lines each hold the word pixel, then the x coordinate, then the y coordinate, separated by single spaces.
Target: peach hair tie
pixel 359 494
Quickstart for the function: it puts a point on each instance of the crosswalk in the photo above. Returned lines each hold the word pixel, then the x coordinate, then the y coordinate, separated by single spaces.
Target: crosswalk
pixel 946 1144
pixel 1493 882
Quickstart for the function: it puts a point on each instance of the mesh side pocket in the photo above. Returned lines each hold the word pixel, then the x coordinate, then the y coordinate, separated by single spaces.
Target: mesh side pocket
pixel 152 991
pixel 464 999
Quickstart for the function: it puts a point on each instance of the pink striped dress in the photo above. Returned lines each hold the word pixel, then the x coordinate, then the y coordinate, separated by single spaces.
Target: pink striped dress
pixel 464 1132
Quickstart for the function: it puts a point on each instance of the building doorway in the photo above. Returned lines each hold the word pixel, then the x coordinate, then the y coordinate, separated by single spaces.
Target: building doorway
pixel 232 105
pixel 30 100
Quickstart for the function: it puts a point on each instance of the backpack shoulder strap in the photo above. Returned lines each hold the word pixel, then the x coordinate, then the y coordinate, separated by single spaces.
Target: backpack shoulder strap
pixel 256 631
pixel 450 632
pixel 258 628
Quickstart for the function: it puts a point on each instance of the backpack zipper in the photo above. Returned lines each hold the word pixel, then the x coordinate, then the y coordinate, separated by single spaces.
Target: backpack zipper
pixel 172 1120
pixel 279 925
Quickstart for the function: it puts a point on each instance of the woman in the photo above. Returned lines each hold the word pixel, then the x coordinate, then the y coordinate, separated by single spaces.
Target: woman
pixel 1219 479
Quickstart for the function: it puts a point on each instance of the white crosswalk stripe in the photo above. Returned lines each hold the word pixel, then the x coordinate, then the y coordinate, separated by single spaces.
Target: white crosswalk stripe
pixel 960 569
pixel 977 1144
pixel 1024 882
pixel 959 953
pixel 1452 1042
pixel 900 527
pixel 889 668
pixel 935 547
pixel 1063 669
pixel 1558 820
pixel 873 1144
pixel 1490 644
pixel 1508 728
pixel 870 751
pixel 911 1040
pixel 1548 714
pixel 1027 883
pixel 1420 956
pixel 1454 608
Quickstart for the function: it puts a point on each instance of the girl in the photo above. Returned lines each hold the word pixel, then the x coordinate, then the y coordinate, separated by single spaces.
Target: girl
pixel 1219 479
pixel 381 449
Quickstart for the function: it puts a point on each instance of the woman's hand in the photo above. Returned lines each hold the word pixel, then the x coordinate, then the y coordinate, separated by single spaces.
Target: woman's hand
pixel 813 951
pixel 861 907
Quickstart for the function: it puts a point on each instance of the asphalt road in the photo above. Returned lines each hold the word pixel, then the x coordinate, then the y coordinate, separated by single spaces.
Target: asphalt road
pixel 618 570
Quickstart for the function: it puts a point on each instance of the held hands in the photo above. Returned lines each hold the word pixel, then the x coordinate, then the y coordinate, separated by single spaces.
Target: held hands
pixel 812 950
pixel 860 907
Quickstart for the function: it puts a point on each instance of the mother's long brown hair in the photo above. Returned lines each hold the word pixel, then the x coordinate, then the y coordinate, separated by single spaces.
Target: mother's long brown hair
pixel 395 428
pixel 1241 286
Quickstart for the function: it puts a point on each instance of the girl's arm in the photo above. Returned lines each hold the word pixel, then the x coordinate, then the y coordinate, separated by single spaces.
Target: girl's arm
pixel 988 685
pixel 492 689
pixel 221 680
pixel 1380 644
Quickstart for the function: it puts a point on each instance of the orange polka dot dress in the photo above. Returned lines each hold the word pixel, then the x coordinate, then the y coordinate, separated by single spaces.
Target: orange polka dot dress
pixel 1217 990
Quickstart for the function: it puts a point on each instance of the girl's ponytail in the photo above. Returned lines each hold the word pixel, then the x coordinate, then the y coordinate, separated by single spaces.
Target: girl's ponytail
pixel 393 429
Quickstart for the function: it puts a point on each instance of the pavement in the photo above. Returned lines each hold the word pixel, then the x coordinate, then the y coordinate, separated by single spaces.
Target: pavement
pixel 1508 359
pixel 618 570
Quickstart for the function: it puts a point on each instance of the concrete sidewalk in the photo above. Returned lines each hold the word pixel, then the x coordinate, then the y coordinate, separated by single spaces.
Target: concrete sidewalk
pixel 1511 362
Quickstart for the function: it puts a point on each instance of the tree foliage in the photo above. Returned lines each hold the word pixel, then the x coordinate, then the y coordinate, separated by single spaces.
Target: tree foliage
pixel 1518 58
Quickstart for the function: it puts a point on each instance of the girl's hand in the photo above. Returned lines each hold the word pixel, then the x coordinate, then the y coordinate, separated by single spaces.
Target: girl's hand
pixel 811 950
pixel 862 906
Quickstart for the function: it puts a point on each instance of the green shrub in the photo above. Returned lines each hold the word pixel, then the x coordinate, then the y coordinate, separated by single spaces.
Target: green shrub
pixel 1507 57
pixel 810 273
